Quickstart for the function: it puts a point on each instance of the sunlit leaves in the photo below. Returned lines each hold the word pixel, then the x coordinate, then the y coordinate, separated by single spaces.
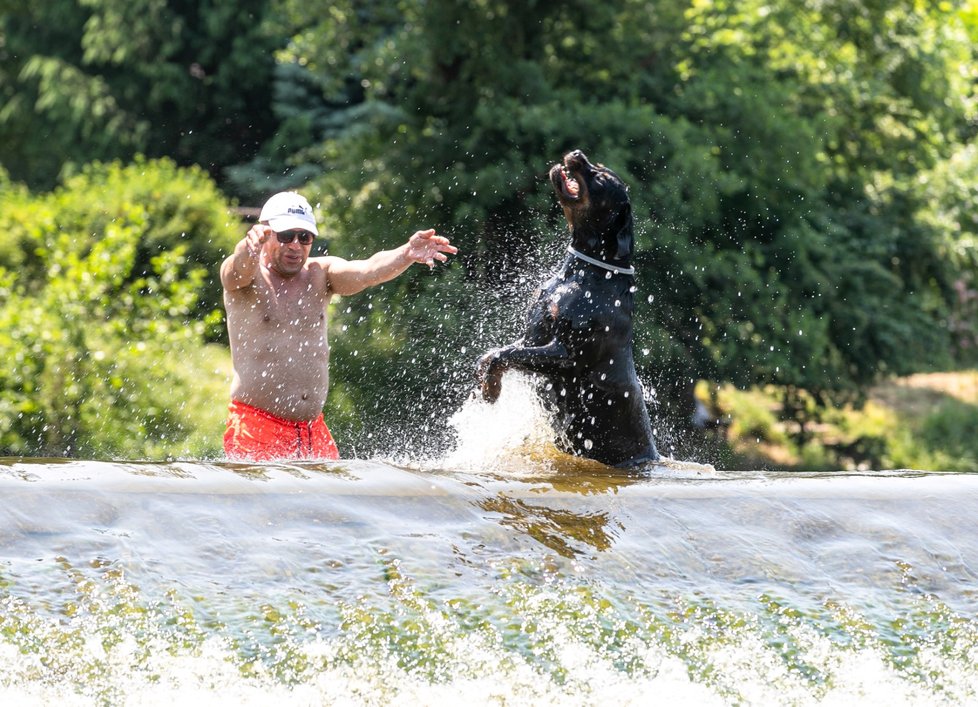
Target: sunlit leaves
pixel 97 325
pixel 772 150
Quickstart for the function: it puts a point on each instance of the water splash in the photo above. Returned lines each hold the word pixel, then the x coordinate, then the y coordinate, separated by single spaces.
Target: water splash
pixel 512 434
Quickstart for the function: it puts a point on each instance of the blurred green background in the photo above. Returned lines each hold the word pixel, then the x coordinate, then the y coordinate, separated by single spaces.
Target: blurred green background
pixel 804 177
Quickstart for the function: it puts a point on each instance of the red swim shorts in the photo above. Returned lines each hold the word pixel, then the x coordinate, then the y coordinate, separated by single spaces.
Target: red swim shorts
pixel 256 435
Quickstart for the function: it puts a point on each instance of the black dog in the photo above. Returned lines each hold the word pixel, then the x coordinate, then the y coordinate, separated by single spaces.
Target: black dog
pixel 579 329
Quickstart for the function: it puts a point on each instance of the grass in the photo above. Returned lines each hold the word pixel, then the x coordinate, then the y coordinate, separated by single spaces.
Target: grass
pixel 926 422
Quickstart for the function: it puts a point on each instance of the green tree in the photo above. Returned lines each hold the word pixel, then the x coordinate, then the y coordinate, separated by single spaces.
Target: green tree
pixel 100 314
pixel 84 80
pixel 849 103
pixel 773 150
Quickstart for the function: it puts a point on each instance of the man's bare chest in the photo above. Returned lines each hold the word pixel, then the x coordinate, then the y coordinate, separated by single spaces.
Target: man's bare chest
pixel 294 310
pixel 293 305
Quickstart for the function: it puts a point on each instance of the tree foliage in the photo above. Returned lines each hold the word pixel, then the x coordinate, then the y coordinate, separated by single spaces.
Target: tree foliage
pixel 184 209
pixel 99 308
pixel 776 153
pixel 84 80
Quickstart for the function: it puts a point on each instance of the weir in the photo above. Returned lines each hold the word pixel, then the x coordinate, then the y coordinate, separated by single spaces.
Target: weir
pixel 124 581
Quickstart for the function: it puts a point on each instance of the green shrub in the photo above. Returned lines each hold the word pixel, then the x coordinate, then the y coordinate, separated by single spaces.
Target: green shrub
pixel 949 432
pixel 101 319
pixel 183 209
pixel 751 415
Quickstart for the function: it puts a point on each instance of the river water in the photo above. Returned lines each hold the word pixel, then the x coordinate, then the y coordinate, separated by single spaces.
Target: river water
pixel 499 573
pixel 370 582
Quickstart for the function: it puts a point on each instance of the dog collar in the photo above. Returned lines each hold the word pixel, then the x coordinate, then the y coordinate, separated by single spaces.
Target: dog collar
pixel 600 263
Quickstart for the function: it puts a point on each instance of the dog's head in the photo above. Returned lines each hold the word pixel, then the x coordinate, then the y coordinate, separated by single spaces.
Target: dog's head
pixel 595 203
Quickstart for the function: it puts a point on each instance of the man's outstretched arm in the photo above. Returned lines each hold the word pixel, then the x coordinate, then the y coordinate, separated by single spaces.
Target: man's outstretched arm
pixel 347 277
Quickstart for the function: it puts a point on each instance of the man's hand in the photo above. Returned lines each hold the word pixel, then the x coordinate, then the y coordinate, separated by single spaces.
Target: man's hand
pixel 239 269
pixel 425 247
pixel 256 237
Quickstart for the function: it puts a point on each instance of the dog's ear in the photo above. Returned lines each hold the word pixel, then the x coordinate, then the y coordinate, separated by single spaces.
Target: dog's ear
pixel 624 232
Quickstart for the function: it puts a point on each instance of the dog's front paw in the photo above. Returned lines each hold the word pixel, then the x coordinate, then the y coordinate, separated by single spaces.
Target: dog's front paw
pixel 489 373
pixel 484 363
pixel 492 386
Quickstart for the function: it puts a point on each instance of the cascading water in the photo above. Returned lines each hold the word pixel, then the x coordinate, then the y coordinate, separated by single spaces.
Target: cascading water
pixel 527 577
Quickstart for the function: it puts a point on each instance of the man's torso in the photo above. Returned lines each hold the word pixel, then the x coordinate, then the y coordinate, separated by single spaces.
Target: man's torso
pixel 279 346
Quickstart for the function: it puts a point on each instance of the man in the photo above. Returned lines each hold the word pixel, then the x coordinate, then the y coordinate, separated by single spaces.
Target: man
pixel 275 296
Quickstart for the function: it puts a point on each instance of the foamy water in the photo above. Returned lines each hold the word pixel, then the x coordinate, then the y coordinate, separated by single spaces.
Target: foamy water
pixel 510 435
pixel 529 579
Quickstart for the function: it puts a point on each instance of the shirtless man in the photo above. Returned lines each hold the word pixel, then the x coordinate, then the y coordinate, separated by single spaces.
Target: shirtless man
pixel 275 296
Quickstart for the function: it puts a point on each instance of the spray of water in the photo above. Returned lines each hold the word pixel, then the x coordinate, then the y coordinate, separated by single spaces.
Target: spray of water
pixel 512 434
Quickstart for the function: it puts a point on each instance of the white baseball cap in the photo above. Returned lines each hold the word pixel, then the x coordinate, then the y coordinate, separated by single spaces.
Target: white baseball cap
pixel 287 210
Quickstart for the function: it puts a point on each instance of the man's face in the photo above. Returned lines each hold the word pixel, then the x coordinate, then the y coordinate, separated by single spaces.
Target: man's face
pixel 287 259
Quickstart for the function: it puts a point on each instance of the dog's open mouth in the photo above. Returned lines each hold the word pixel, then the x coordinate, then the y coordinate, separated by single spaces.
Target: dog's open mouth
pixel 569 177
pixel 567 185
pixel 571 187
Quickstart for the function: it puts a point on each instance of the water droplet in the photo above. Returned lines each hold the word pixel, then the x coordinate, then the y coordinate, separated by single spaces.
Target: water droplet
pixel 588 444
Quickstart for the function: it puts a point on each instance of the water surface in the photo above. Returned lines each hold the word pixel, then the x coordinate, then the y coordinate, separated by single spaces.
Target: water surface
pixel 367 582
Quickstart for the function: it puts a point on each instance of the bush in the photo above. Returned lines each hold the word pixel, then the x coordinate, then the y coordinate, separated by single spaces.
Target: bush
pixel 183 209
pixel 101 316
pixel 752 416
pixel 946 438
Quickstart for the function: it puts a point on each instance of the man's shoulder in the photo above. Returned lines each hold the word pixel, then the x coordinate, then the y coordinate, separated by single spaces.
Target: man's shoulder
pixel 318 270
pixel 323 262
pixel 323 266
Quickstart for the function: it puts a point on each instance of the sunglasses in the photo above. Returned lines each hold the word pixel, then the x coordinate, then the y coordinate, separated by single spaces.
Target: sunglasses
pixel 305 238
